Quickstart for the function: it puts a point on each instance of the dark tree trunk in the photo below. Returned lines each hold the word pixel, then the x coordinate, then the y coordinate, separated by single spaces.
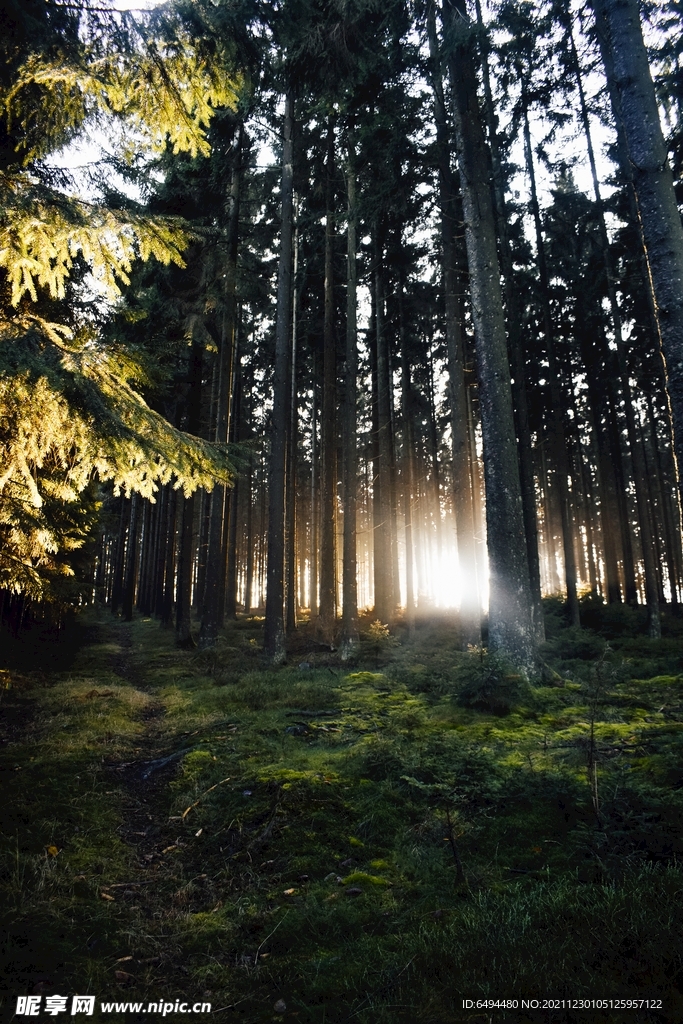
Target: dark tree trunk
pixel 130 577
pixel 144 599
pixel 639 468
pixel 215 568
pixel 407 462
pixel 328 490
pixel 349 625
pixel 556 412
pixel 292 461
pixel 183 623
pixel 249 526
pixel 230 602
pixel 385 605
pixel 119 557
pixel 274 626
pixel 511 630
pixel 169 569
pixel 315 478
pixel 514 319
pixel 635 108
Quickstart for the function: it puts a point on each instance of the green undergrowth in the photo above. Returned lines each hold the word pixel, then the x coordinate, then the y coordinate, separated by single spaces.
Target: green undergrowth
pixel 323 844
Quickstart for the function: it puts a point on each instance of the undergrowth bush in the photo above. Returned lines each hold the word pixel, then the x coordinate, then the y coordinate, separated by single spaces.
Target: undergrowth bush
pixel 487 682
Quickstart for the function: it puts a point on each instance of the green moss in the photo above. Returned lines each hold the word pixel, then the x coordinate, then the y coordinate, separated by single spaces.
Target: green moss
pixel 361 877
pixel 295 778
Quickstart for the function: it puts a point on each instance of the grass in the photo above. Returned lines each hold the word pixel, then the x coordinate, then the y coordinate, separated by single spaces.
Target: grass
pixel 323 845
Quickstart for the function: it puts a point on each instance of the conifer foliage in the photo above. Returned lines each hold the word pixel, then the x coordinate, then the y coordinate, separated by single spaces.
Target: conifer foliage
pixel 72 409
pixel 405 262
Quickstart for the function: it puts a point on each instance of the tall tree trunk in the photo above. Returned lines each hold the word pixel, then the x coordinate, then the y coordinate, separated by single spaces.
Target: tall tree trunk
pixel 274 626
pixel 131 560
pixel 669 508
pixel 186 550
pixel 434 451
pixel 514 320
pixel 511 629
pixel 635 443
pixel 231 574
pixel 315 479
pixel 215 568
pixel 379 553
pixel 607 485
pixel 407 460
pixel 148 546
pixel 328 490
pixel 292 461
pixel 384 595
pixel 119 557
pixel 635 108
pixel 169 569
pixel 249 528
pixel 349 625
pixel 556 412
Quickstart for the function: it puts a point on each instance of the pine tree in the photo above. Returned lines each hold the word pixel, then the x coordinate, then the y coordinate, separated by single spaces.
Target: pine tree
pixel 510 626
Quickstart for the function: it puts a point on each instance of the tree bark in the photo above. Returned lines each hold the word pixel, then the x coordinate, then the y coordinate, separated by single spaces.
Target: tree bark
pixel 635 108
pixel 130 577
pixel 385 604
pixel 231 575
pixel 315 488
pixel 328 603
pixel 292 452
pixel 511 630
pixel 274 640
pixel 635 442
pixel 514 321
pixel 186 548
pixel 556 414
pixel 349 625
pixel 215 568
pixel 407 460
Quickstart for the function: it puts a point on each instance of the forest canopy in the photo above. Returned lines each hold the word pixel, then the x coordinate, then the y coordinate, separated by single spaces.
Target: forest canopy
pixel 364 307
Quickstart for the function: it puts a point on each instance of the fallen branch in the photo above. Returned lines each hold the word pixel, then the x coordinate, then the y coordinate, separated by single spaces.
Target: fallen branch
pixel 210 790
pixel 160 762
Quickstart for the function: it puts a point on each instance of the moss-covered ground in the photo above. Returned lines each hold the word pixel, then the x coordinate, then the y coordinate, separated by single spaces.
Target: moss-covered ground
pixel 322 844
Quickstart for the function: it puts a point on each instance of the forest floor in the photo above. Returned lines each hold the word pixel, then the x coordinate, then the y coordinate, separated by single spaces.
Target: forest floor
pixel 320 844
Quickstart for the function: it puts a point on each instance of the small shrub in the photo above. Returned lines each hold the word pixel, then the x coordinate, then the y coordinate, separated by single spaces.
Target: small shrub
pixel 377 641
pixel 488 683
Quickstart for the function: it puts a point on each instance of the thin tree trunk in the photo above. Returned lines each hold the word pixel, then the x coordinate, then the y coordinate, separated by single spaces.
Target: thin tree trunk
pixel 328 490
pixel 249 530
pixel 169 569
pixel 556 412
pixel 315 477
pixel 349 625
pixel 183 625
pixel 215 570
pixel 407 461
pixel 292 503
pixel 274 625
pixel 384 591
pixel 230 598
pixel 119 557
pixel 131 560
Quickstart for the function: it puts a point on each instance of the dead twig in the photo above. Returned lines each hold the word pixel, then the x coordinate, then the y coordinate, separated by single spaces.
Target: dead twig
pixel 210 790
pixel 256 955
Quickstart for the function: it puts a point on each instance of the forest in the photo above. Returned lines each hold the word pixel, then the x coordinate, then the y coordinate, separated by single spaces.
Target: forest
pixel 341 561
